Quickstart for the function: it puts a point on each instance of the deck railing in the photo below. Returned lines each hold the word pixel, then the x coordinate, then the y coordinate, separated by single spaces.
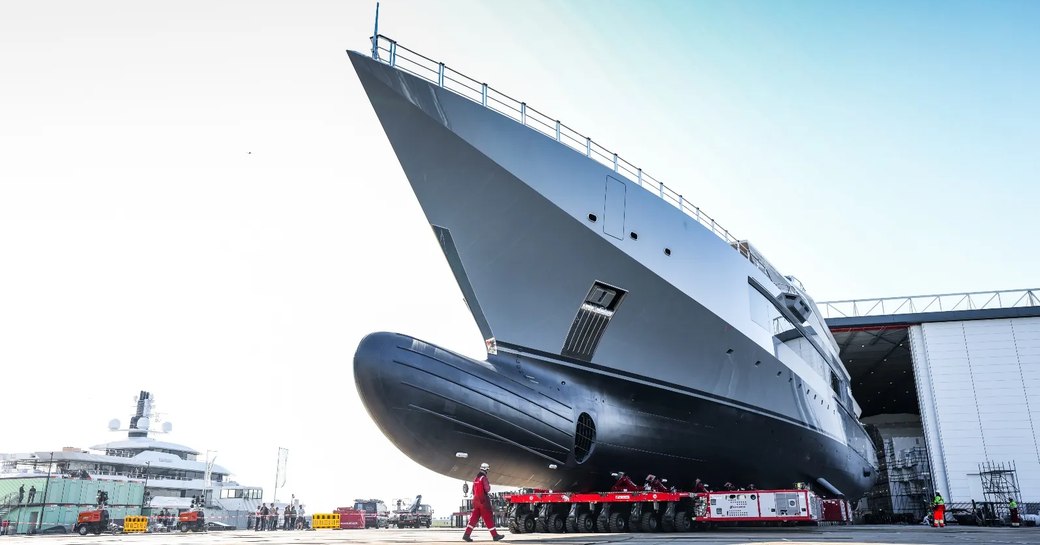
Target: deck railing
pixel 946 302
pixel 388 51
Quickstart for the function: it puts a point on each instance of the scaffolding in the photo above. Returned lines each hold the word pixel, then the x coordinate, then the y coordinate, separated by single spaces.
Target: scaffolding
pixel 903 488
pixel 999 484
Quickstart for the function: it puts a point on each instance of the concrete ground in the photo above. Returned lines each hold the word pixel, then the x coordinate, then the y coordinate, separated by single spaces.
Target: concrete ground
pixel 845 535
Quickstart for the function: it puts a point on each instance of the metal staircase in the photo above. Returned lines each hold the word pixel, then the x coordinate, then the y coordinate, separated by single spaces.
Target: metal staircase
pixel 8 503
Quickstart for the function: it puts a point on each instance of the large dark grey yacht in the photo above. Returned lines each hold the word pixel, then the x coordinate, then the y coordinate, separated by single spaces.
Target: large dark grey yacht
pixel 625 329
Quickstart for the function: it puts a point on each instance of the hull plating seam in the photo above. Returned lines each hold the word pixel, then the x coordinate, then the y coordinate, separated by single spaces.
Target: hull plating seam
pixel 486 433
pixel 482 379
pixel 485 413
pixel 653 452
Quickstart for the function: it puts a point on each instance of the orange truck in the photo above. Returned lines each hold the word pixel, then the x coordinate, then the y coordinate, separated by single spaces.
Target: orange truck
pixel 194 521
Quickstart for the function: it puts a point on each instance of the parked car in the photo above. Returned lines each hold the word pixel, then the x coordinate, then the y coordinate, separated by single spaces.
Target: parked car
pixel 214 526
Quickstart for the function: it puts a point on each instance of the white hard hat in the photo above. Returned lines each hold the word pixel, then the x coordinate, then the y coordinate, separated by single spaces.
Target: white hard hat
pixel 484 467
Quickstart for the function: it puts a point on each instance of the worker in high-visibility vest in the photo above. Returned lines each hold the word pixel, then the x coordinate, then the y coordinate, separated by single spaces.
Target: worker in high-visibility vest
pixel 1013 508
pixel 938 511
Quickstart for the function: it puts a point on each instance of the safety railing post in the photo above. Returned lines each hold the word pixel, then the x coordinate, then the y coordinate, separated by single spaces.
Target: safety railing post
pixel 375 35
pixel 557 130
pixel 440 74
pixel 615 162
pixel 483 94
pixel 523 113
pixel 588 147
pixel 393 53
pixel 639 176
pixel 660 190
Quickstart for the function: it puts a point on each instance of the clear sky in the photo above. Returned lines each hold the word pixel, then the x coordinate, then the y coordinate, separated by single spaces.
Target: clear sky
pixel 197 199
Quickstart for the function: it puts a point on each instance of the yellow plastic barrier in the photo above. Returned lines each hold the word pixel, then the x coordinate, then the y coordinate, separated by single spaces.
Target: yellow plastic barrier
pixel 135 524
pixel 325 521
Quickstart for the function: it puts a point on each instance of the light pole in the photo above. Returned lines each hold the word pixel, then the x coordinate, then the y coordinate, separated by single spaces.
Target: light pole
pixel 144 493
pixel 46 485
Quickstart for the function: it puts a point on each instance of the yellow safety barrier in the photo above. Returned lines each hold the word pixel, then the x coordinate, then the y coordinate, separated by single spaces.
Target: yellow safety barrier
pixel 134 524
pixel 326 521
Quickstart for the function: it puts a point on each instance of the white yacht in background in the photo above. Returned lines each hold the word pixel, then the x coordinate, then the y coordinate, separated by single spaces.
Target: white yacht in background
pixel 154 475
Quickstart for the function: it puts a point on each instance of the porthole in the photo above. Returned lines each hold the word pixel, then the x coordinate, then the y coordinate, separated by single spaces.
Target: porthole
pixel 592 218
pixel 634 235
pixel 667 251
pixel 729 351
pixel 757 363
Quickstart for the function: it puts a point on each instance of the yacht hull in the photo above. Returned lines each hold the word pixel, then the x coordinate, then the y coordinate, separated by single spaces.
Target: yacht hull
pixel 538 236
pixel 519 413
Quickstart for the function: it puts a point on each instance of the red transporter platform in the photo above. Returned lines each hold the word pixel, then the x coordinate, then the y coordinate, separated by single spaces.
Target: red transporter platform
pixel 671 511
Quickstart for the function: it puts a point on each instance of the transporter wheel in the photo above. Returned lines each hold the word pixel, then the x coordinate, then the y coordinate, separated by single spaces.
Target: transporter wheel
pixel 617 523
pixel 182 527
pixel 557 523
pixel 527 523
pixel 667 523
pixel 683 522
pixel 586 524
pixel 541 525
pixel 649 522
pixel 635 520
pixel 514 525
pixel 572 525
pixel 82 529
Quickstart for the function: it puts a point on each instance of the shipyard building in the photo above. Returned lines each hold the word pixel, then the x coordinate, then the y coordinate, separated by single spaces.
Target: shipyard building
pixel 950 387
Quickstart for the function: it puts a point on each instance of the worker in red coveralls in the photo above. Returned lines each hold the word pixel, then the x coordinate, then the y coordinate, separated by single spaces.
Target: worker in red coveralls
pixel 482 505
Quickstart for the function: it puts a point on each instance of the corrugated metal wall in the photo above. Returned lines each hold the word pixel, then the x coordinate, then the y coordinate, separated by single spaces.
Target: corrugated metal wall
pixel 979 387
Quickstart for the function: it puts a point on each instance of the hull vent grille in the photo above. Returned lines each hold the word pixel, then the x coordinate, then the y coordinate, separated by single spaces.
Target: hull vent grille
pixel 591 321
pixel 584 438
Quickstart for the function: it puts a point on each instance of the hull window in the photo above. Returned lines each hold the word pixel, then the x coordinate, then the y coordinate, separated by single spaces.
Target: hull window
pixel 584 438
